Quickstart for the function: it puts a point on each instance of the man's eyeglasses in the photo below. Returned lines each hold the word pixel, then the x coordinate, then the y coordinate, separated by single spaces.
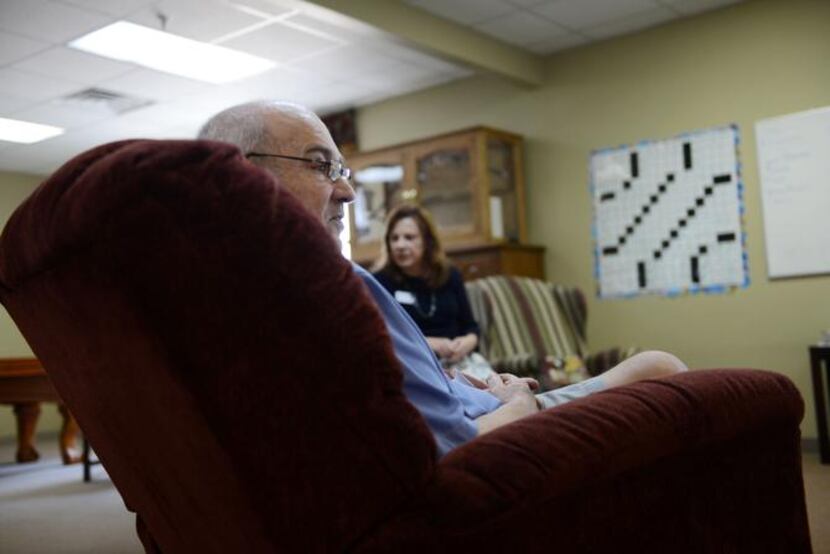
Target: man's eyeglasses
pixel 332 169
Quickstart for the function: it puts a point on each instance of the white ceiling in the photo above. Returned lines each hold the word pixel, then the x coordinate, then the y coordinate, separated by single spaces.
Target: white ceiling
pixel 327 63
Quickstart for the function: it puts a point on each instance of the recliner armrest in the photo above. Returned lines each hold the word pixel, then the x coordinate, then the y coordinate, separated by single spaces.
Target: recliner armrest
pixel 561 449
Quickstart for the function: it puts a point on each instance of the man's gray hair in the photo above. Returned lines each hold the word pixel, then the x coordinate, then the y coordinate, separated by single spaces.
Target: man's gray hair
pixel 242 126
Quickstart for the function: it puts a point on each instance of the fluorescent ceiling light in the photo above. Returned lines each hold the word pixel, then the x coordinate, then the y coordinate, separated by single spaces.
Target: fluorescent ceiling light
pixel 14 130
pixel 171 53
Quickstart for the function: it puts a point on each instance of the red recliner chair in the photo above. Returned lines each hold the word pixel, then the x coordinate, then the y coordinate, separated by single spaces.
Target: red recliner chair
pixel 240 389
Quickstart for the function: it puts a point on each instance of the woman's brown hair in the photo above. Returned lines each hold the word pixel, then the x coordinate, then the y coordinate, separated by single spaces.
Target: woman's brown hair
pixel 437 267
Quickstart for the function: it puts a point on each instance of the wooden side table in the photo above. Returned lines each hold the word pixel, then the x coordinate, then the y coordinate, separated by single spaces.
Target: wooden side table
pixel 820 356
pixel 24 384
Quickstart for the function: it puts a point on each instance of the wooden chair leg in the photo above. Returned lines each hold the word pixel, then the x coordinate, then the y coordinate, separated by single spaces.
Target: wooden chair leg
pixel 69 432
pixel 26 414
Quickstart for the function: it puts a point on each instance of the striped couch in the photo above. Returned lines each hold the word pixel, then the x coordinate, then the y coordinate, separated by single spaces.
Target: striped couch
pixel 535 328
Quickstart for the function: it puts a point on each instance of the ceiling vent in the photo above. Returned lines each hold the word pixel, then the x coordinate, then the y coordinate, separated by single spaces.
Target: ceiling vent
pixel 103 101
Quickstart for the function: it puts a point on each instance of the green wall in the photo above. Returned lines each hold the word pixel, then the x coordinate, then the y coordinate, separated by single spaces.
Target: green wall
pixel 14 188
pixel 736 65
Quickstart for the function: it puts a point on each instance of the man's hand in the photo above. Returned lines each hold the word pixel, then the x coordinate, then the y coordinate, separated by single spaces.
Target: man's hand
pixel 508 378
pixel 515 388
pixel 517 402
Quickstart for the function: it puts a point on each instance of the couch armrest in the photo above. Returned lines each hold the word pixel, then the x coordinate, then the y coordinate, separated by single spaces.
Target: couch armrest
pixel 565 448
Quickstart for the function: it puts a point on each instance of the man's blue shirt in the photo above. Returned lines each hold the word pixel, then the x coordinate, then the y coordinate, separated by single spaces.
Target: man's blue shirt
pixel 449 406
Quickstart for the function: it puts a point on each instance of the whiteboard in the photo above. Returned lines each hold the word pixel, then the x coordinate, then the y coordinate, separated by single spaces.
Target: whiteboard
pixel 794 166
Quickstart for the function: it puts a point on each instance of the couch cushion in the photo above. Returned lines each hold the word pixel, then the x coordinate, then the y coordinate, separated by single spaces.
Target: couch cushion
pixel 525 319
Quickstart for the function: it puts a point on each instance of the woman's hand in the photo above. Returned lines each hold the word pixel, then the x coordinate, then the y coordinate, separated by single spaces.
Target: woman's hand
pixel 461 346
pixel 441 346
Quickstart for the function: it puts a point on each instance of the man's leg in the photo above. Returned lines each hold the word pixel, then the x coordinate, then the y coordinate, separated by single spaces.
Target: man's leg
pixel 645 365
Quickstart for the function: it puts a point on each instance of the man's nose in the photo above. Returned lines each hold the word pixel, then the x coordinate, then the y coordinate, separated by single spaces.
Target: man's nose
pixel 343 190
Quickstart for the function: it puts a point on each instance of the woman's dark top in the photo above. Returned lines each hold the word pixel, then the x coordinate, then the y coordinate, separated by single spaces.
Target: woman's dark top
pixel 441 312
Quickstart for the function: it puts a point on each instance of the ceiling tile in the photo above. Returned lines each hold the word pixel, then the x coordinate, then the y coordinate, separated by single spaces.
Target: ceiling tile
pixel 49 21
pixel 630 24
pixel 579 15
pixel 688 7
pixel 522 28
pixel 153 85
pixel 466 12
pixel 74 65
pixel 557 43
pixel 14 47
pixel 11 104
pixel 266 7
pixel 146 120
pixel 343 31
pixel 117 128
pixel 179 131
pixel 527 3
pixel 406 54
pixel 34 87
pixel 203 20
pixel 61 115
pixel 399 73
pixel 284 83
pixel 280 43
pixel 117 8
pixel 213 102
pixel 347 61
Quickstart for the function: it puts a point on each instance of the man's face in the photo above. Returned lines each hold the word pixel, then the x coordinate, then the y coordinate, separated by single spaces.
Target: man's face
pixel 300 133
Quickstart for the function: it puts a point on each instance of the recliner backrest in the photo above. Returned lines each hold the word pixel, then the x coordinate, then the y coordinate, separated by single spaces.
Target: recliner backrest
pixel 226 364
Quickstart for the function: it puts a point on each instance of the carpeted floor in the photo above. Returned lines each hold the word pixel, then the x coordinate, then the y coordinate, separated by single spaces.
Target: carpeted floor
pixel 46 508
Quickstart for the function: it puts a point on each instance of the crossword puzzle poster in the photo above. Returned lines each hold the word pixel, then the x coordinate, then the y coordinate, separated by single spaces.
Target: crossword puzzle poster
pixel 668 216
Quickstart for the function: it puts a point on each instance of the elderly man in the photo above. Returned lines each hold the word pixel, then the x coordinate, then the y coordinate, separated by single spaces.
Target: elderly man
pixel 291 143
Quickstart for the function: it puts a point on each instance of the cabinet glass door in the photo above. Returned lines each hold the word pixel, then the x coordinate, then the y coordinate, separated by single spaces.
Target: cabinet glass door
pixel 379 188
pixel 445 178
pixel 504 201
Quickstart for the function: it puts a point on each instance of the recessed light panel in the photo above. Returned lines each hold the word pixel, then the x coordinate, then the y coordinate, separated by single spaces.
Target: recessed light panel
pixel 171 53
pixel 24 132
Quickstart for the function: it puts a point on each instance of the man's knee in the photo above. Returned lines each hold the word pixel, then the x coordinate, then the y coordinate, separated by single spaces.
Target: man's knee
pixel 656 363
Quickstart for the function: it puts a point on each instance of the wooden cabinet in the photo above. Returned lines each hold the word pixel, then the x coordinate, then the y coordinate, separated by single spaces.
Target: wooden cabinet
pixel 499 259
pixel 471 182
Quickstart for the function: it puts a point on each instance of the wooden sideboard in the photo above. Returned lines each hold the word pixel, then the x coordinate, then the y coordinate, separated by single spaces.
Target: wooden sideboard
pixel 24 385
pixel 485 260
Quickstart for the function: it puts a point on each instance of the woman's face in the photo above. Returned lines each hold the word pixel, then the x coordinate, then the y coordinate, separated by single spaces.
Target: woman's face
pixel 406 245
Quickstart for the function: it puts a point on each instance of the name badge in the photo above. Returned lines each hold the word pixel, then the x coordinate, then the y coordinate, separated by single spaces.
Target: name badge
pixel 404 297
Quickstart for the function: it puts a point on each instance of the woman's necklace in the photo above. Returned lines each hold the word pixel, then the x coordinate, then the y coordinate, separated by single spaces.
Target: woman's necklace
pixel 429 313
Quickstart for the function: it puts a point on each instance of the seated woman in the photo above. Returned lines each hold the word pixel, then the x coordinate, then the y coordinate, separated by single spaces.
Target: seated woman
pixel 414 269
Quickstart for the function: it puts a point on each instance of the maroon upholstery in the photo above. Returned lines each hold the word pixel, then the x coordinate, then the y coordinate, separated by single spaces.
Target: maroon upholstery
pixel 239 387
